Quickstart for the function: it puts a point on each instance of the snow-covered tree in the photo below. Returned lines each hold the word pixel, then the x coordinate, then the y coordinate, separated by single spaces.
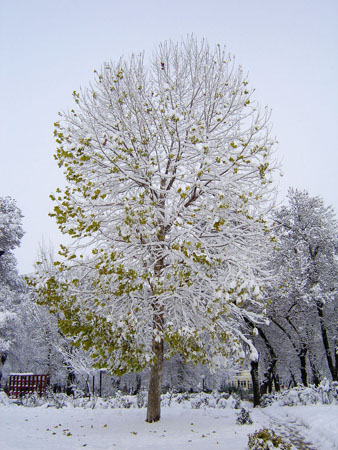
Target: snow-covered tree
pixel 304 297
pixel 168 167
pixel 10 283
pixel 11 233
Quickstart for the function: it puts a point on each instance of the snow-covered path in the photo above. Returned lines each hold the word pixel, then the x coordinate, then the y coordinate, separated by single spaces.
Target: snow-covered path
pixel 179 429
pixel 291 431
pixel 310 427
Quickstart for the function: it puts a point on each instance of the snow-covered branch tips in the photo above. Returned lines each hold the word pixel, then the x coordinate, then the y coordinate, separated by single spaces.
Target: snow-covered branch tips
pixel 168 167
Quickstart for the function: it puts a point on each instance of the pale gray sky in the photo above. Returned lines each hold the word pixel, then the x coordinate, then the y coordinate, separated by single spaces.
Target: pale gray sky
pixel 49 48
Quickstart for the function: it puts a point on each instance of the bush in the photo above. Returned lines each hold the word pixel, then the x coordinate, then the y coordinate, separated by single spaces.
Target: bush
pixel 325 393
pixel 243 418
pixel 4 400
pixel 234 401
pixel 199 400
pixel 32 400
pixel 266 439
pixel 334 387
pixel 58 400
pixel 141 398
pixel 267 400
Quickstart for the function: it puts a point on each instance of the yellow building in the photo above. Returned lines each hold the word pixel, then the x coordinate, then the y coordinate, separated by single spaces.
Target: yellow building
pixel 242 380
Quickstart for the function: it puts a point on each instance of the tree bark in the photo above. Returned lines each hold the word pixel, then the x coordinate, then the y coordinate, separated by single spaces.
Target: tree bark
pixel 314 370
pixel 255 382
pixel 276 382
pixel 326 343
pixel 301 351
pixel 336 361
pixel 271 370
pixel 302 358
pixel 3 358
pixel 156 369
pixel 155 384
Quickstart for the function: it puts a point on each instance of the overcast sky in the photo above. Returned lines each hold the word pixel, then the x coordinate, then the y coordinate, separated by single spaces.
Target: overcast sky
pixel 49 48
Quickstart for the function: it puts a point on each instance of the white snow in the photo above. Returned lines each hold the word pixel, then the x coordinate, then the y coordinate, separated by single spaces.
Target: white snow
pixel 317 423
pixel 180 427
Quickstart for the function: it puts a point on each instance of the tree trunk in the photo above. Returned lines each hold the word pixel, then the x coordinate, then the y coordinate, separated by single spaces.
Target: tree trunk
pixel 255 382
pixel 301 351
pixel 155 384
pixel 315 372
pixel 336 361
pixel 302 358
pixel 271 370
pixel 325 339
pixel 3 358
pixel 276 382
pixel 156 369
pixel 293 382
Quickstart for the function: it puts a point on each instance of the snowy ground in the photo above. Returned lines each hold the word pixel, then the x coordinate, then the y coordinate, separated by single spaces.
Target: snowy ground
pixel 180 428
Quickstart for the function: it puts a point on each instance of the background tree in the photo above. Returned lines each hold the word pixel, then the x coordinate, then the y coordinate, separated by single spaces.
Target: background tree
pixel 11 233
pixel 308 234
pixel 303 294
pixel 11 285
pixel 168 168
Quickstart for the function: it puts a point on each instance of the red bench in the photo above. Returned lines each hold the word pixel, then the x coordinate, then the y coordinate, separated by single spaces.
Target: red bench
pixel 21 384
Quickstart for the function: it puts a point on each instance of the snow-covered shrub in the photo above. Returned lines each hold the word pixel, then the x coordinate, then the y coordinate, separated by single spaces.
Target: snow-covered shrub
pixel 234 401
pixel 112 402
pixel 243 418
pixel 225 400
pixel 120 400
pixel 4 400
pixel 167 398
pixel 58 400
pixel 32 400
pixel 93 401
pixel 141 398
pixel 267 400
pixel 79 402
pixel 305 395
pixel 203 399
pixel 325 391
pixel 181 397
pixel 290 398
pixel 199 400
pixel 78 393
pixel 266 439
pixel 222 400
pixel 212 400
pixel 334 390
pixel 101 403
pixel 308 396
pixel 125 402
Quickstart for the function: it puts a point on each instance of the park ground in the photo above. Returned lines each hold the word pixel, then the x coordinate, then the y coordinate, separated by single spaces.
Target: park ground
pixel 310 427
